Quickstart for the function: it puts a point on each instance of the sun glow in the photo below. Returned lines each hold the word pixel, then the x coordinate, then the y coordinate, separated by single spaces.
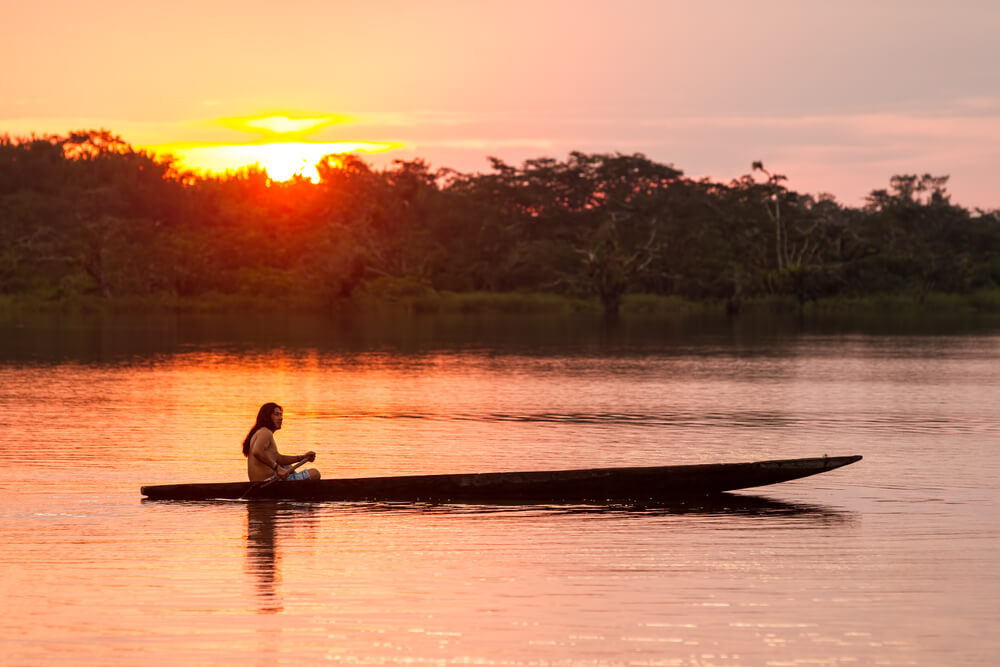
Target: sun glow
pixel 281 160
pixel 278 144
pixel 286 125
pixel 296 125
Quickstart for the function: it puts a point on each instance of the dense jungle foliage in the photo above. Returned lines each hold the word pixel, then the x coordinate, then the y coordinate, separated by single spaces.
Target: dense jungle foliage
pixel 87 214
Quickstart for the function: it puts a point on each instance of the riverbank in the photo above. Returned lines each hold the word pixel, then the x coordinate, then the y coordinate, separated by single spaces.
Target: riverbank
pixel 387 299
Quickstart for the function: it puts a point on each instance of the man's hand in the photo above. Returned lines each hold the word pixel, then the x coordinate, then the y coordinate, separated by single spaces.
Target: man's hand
pixel 281 472
pixel 309 456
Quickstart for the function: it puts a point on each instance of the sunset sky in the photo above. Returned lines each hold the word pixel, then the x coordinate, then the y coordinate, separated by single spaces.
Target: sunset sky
pixel 839 96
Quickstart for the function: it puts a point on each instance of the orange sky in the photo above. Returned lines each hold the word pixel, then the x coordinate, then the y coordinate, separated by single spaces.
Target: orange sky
pixel 838 96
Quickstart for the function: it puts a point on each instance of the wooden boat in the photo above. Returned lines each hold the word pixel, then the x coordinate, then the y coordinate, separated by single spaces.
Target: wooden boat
pixel 594 485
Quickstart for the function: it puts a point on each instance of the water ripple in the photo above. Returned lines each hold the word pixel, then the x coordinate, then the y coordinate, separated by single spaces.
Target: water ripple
pixel 721 419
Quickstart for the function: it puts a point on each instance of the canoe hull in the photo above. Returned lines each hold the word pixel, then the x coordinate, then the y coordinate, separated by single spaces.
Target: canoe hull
pixel 594 485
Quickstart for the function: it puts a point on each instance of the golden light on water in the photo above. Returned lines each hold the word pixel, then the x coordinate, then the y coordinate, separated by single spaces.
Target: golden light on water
pixel 282 160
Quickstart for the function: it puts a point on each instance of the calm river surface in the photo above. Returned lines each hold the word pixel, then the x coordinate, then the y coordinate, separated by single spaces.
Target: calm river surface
pixel 890 561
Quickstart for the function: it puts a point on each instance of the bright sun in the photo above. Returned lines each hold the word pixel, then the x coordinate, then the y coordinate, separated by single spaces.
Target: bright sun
pixel 282 158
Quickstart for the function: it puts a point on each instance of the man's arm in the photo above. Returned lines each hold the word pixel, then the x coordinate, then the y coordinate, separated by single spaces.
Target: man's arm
pixel 288 459
pixel 265 450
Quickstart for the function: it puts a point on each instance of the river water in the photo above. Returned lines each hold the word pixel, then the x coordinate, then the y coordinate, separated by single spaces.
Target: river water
pixel 890 561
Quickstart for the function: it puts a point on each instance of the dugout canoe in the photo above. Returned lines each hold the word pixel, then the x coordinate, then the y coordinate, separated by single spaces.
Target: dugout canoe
pixel 593 485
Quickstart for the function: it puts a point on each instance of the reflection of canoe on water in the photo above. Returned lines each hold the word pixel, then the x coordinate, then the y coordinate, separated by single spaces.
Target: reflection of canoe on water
pixel 594 485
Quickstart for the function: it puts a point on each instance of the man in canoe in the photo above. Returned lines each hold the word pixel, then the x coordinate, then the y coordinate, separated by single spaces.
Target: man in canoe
pixel 263 458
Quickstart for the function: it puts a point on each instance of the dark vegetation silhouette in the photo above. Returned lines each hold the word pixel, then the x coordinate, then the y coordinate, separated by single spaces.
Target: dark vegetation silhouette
pixel 86 214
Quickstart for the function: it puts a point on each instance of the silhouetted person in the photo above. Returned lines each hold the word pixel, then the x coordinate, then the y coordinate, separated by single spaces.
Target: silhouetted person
pixel 263 458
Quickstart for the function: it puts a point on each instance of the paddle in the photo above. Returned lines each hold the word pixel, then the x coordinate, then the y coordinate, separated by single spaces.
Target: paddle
pixel 272 479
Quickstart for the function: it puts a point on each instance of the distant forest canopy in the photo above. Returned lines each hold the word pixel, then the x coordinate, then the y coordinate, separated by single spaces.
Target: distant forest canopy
pixel 88 214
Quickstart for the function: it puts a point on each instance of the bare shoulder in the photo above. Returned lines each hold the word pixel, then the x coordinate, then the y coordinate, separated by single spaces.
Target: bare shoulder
pixel 262 439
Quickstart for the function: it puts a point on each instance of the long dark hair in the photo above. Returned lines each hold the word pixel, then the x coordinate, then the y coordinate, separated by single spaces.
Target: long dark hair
pixel 263 421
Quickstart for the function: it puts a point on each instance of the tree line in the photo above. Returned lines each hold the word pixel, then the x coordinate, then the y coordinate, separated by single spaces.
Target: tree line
pixel 86 213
